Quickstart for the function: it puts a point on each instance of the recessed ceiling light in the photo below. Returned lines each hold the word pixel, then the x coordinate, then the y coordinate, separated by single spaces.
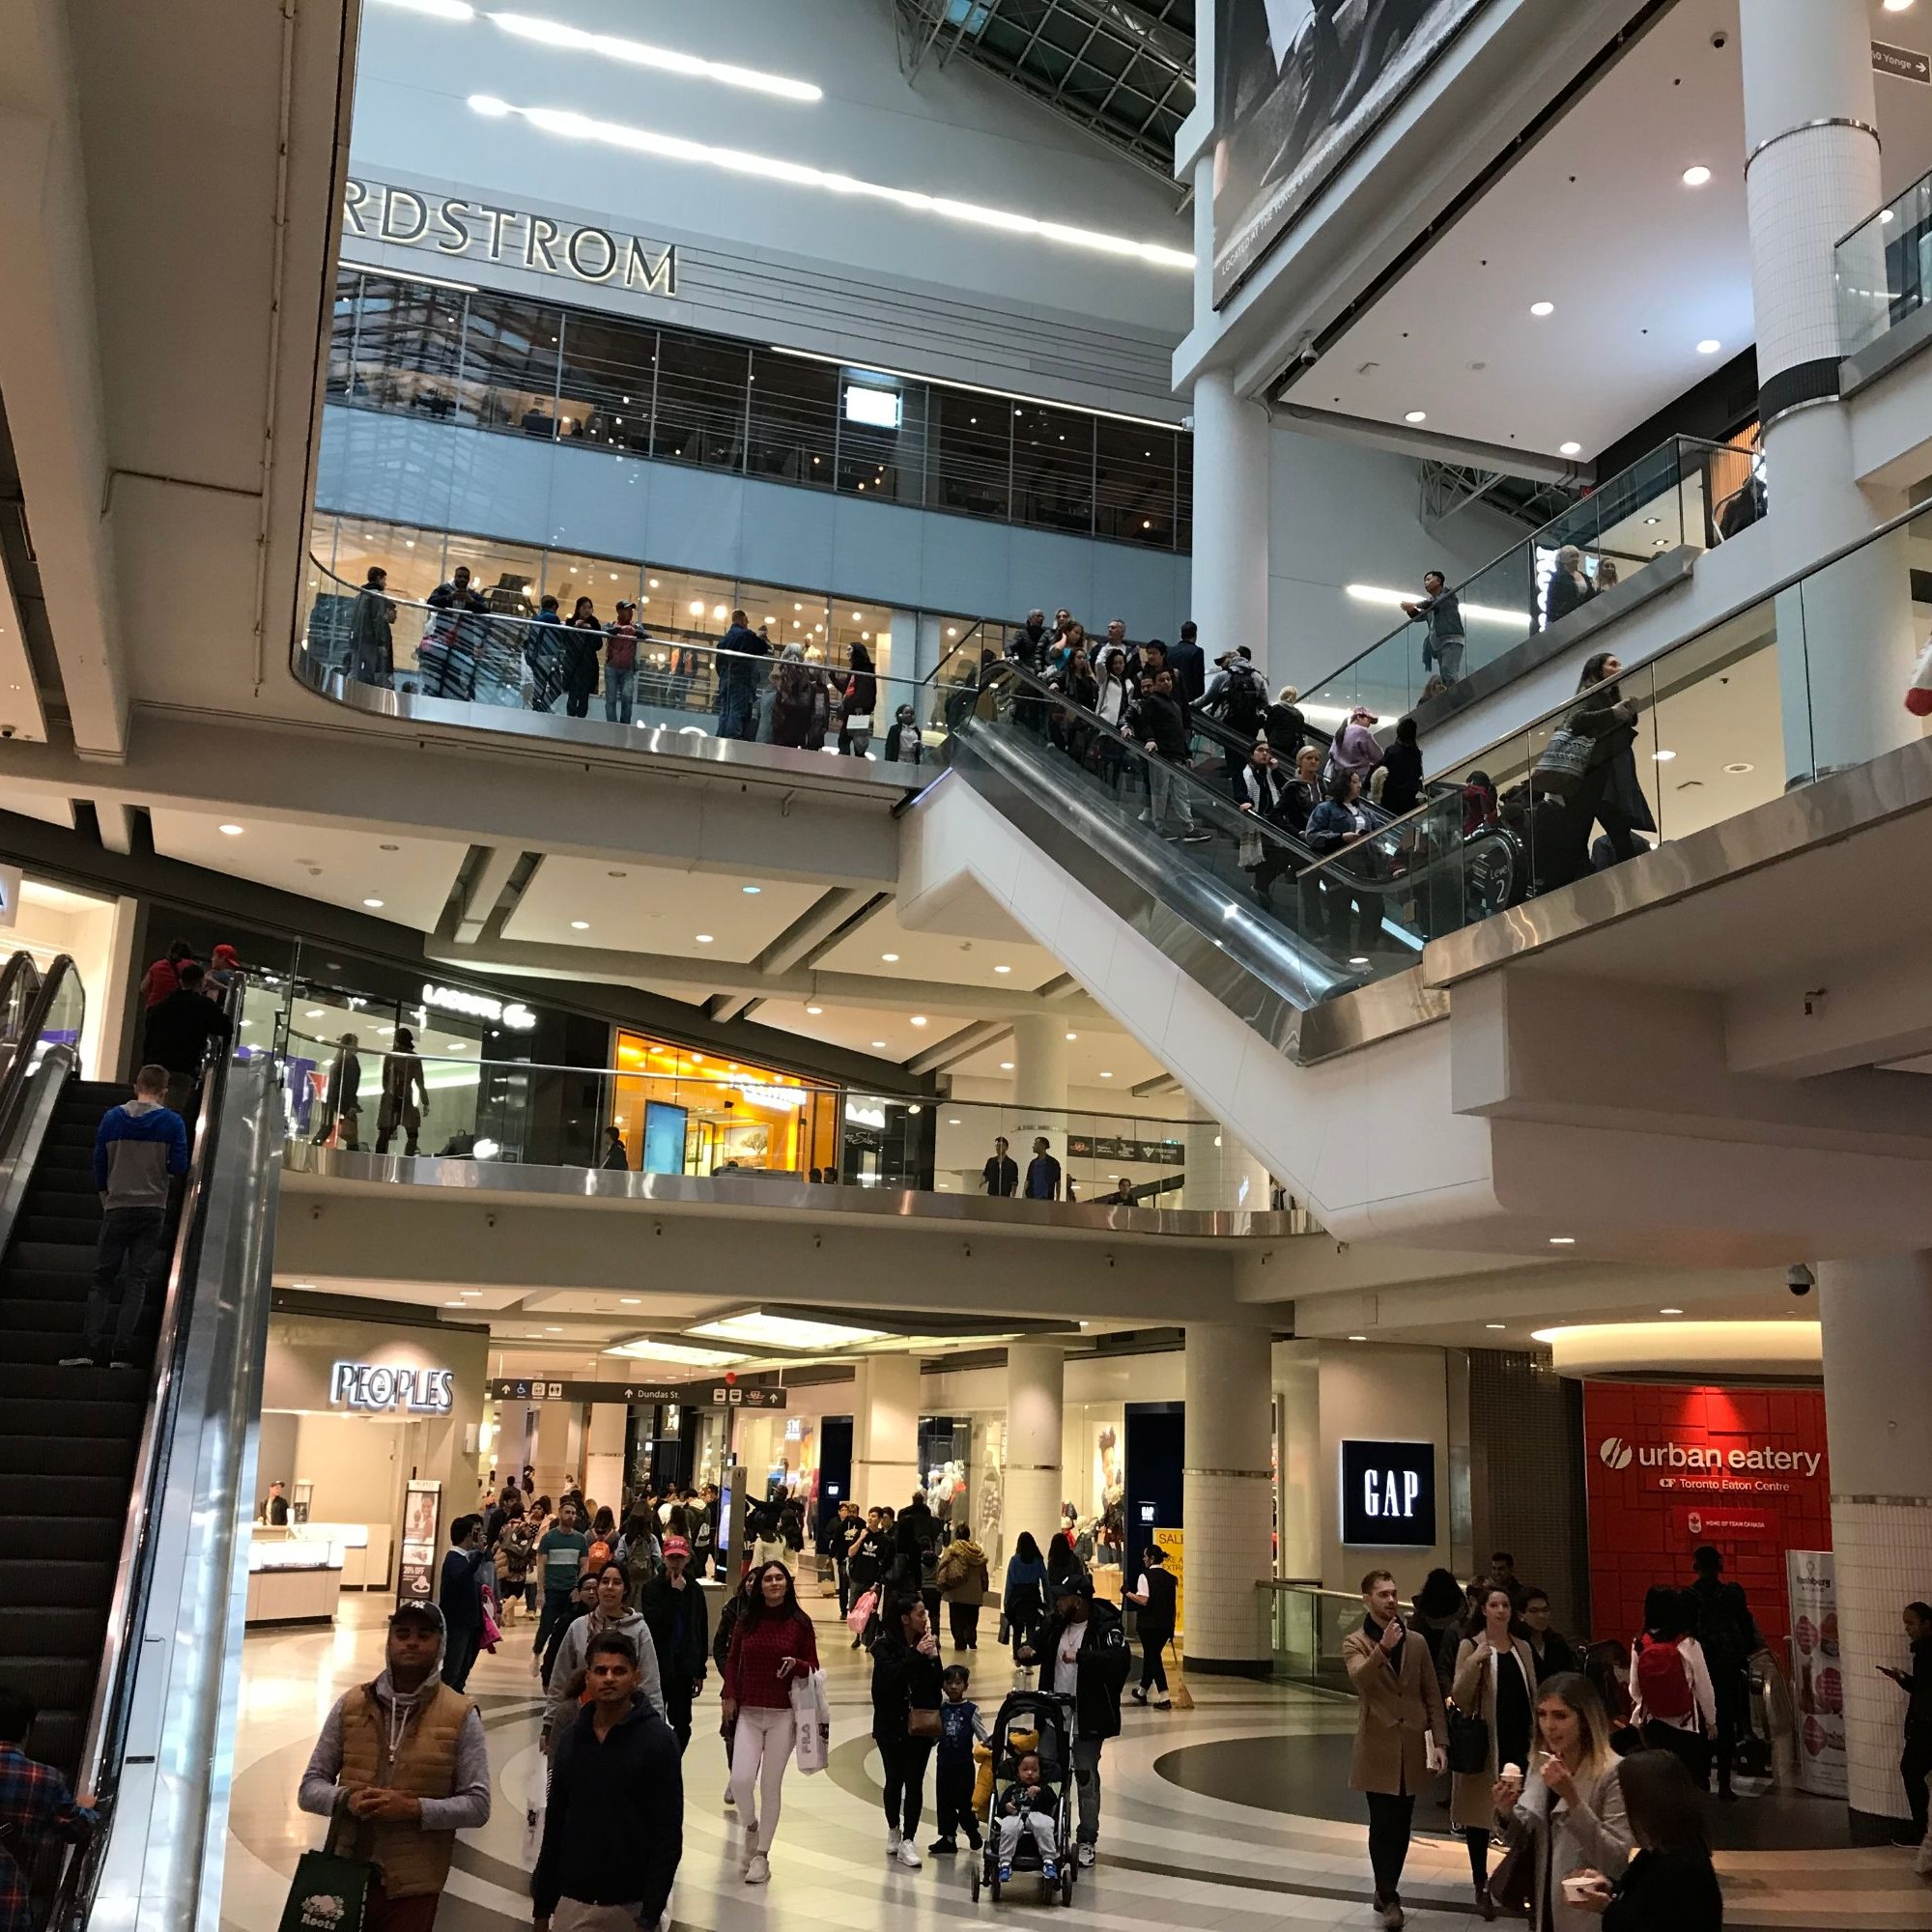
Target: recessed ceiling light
pixel 919 1019
pixel 1570 449
pixel 1002 969
pixel 1563 1240
pixel 1105 1074
pixel 1074 1035
pixel 1653 519
pixel 232 830
pixel 1709 346
pixel 703 938
pixel 1495 1324
pixel 580 926
pixel 552 1330
pixel 1005 1066
pixel 750 892
pixel 1897 6
pixel 452 1304
pixel 1416 417
pixel 814 1010
pixel 630 1300
pixel 1360 960
pixel 1670 1311
pixel 891 958
pixel 1696 177
pixel 1737 769
pixel 312 1013
pixel 1661 758
pixel 1542 308
pixel 374 906
pixel 1358 1338
pixel 878 1043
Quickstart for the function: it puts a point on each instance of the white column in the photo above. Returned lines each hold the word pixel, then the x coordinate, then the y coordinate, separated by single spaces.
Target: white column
pixel 1040 1086
pixel 1811 174
pixel 1877 1322
pixel 1222 1175
pixel 885 1431
pixel 1231 520
pixel 604 1454
pixel 1035 1376
pixel 1226 1498
pixel 559 1447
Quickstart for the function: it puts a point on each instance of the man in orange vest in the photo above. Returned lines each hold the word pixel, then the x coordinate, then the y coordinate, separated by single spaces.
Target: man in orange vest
pixel 400 1768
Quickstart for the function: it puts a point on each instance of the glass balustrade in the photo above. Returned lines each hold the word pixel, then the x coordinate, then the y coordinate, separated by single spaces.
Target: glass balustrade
pixel 1883 269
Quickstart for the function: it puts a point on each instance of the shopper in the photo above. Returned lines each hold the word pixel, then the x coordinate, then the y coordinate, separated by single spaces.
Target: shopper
pixel 616 1156
pixel 1403 762
pixel 450 649
pixel 1671 1886
pixel 1161 725
pixel 372 656
pixel 342 1098
pixel 139 1148
pixel 1569 587
pixel 728 1613
pixel 163 977
pixel 400 1768
pixel 1001 1176
pixel 1571 1807
pixel 773 1643
pixel 613 1827
pixel 1496 1683
pixel 673 1608
pixel 547 653
pixel 1439 1613
pixel 903 744
pixel 1401 1731
pixel 1600 796
pixel 871 1558
pixel 610 1610
pixel 1185 660
pixel 513 1551
pixel 1023 1600
pixel 562 1552
pixel 621 664
pixel 405 1095
pixel 180 1028
pixel 858 695
pixel 1063 1566
pixel 1915 1761
pixel 1082 1652
pixel 1042 1175
pixel 905 1718
pixel 955 1772
pixel 1552 1650
pixel 579 664
pixel 460 1596
pixel 848 1532
pixel 1440 615
pixel 36 1807
pixel 1676 1708
pixel 1729 1635
pixel 963 1580
pixel 1155 1596
pixel 741 652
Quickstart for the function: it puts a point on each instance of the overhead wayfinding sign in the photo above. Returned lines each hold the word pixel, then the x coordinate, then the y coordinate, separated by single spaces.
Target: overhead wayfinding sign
pixel 465 228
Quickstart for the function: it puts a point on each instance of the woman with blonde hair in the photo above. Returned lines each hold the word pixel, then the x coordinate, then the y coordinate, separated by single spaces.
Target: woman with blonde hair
pixel 1568 586
pixel 1569 1815
pixel 1284 726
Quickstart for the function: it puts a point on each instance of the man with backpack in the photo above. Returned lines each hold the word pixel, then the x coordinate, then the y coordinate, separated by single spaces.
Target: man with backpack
pixel 1730 1635
pixel 1238 698
pixel 1676 1707
pixel 1082 1653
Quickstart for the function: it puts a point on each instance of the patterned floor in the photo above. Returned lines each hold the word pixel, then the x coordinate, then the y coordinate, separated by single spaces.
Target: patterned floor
pixel 1168 1856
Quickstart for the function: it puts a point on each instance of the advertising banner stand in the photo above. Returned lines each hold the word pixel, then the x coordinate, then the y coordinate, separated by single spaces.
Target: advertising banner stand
pixel 1818 1692
pixel 416 1571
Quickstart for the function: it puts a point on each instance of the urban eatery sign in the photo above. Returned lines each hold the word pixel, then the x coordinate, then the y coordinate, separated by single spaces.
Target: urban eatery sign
pixel 1388 1494
pixel 369 1385
pixel 463 228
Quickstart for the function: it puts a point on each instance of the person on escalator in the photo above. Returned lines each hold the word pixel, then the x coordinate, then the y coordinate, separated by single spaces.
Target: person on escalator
pixel 1187 662
pixel 1162 727
pixel 1402 791
pixel 179 1031
pixel 1602 795
pixel 1341 819
pixel 1441 615
pixel 1261 793
pixel 1355 748
pixel 1301 793
pixel 1284 725
pixel 1113 700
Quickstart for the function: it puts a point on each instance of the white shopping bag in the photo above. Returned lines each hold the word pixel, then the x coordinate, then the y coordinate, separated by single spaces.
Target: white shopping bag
pixel 811 1716
pixel 533 1811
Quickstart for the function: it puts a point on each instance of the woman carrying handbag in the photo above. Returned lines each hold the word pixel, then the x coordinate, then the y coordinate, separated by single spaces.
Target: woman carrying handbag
pixel 1491 1697
pixel 905 1718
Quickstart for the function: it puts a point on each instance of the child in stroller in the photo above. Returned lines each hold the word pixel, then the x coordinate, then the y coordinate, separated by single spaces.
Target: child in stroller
pixel 1030 1807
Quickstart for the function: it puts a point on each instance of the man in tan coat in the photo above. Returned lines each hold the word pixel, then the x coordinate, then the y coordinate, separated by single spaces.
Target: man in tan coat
pixel 1399 1736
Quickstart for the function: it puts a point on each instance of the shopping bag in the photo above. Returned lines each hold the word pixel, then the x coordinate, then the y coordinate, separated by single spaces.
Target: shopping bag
pixel 534 1807
pixel 1560 766
pixel 861 1613
pixel 329 1894
pixel 812 1719
pixel 1919 693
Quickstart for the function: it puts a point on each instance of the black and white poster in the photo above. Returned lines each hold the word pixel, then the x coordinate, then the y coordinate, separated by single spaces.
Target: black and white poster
pixel 1298 85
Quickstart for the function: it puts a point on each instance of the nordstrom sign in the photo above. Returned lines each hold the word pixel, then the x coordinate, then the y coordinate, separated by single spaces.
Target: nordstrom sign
pixel 463 228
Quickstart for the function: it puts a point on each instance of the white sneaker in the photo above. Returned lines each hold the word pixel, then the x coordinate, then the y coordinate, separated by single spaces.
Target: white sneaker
pixel 759 1870
pixel 893 1842
pixel 908 1854
pixel 1086 1854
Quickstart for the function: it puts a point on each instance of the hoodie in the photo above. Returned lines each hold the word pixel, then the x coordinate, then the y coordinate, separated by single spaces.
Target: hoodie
pixel 961 1575
pixel 561 1711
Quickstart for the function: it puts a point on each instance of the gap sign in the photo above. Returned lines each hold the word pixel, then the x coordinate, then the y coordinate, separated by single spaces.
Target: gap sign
pixel 1388 1494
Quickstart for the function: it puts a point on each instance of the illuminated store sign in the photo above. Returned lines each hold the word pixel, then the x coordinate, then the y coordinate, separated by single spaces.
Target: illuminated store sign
pixel 461 228
pixel 514 1015
pixel 368 1385
pixel 1388 1494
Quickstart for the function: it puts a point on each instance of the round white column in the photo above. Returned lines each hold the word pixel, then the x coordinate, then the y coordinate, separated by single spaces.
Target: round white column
pixel 1811 174
pixel 885 1431
pixel 1231 520
pixel 1226 1498
pixel 1877 1322
pixel 1035 1378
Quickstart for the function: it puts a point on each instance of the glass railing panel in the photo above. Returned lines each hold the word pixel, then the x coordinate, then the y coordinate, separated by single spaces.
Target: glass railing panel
pixel 1883 269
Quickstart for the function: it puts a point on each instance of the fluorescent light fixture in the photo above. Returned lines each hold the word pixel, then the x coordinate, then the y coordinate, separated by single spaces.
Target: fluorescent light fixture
pixel 1416 417
pixel 1375 593
pixel 752 891
pixel 786 1331
pixel 1563 1240
pixel 1495 1324
pixel 665 60
pixel 1542 308
pixel 1696 177
pixel 875 409
pixel 1104 1074
pixel 374 906
pixel 437 10
pixel 569 125
pixel 677 1352
pixel 1661 758
pixel 230 830
pixel 1358 1338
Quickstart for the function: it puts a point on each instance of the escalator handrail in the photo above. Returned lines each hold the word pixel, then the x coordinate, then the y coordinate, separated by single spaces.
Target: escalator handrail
pixel 100 1761
pixel 22 965
pixel 13 1078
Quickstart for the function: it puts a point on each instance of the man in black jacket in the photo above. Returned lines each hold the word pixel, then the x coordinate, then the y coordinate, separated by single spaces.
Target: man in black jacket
pixel 1187 664
pixel 1162 726
pixel 178 1033
pixel 613 1832
pixel 673 1611
pixel 1082 1653
pixel 739 651
pixel 1001 1174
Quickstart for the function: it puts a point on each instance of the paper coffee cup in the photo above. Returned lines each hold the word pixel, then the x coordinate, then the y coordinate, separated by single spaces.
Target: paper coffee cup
pixel 1576 1889
pixel 1511 1774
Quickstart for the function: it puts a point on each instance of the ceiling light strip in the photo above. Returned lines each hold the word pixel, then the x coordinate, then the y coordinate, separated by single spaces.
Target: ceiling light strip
pixel 569 125
pixel 663 60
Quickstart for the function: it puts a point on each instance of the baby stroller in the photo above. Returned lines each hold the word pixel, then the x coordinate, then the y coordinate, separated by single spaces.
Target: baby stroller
pixel 1050 1719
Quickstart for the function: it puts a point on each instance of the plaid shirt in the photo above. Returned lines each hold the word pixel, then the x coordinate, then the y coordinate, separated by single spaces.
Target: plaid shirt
pixel 35 1804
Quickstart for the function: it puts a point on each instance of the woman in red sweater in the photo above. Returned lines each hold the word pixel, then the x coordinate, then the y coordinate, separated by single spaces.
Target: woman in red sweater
pixel 773 1644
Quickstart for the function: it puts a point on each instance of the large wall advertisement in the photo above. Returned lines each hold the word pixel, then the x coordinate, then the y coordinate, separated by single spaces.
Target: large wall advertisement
pixel 1670 1468
pixel 1299 84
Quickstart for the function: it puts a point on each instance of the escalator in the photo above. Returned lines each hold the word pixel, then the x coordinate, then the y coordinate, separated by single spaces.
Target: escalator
pixel 113 1575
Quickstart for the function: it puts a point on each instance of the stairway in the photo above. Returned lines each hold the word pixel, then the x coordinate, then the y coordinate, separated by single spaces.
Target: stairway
pixel 67 1437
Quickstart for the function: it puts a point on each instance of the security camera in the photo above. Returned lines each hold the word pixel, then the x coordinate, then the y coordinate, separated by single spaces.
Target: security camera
pixel 1720 40
pixel 1799 1279
pixel 8 730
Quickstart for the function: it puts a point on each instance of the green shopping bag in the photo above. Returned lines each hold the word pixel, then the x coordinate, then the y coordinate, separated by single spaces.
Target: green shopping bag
pixel 329 1894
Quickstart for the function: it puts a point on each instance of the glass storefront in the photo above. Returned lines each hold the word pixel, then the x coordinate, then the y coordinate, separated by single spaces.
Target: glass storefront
pixel 1093 1472
pixel 962 1467
pixel 684 1112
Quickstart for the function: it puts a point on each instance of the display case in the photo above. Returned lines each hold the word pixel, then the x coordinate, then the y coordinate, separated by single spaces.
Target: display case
pixel 295 1575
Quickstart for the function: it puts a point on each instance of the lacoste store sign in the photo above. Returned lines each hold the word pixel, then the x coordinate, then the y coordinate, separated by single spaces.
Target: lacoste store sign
pixel 461 228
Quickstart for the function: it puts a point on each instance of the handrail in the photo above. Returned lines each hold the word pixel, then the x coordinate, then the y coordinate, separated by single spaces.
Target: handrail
pixel 21 979
pixel 102 1742
pixel 20 1067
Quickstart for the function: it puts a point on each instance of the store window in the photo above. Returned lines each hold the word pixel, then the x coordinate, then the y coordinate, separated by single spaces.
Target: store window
pixel 606 377
pixel 1133 466
pixel 1053 468
pixel 407 347
pixel 685 1112
pixel 510 354
pixel 793 425
pixel 968 454
pixel 703 393
pixel 50 919
pixel 1094 1459
pixel 882 435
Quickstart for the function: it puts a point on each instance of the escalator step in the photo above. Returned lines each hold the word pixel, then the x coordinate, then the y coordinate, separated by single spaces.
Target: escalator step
pixel 78 1232
pixel 93 1538
pixel 72 1420
pixel 82 1498
pixel 30 1456
pixel 56 1740
pixel 42 1313
pixel 54 1257
pixel 30 1381
pixel 20 1284
pixel 55 1683
pixel 60 1583
pixel 33 1630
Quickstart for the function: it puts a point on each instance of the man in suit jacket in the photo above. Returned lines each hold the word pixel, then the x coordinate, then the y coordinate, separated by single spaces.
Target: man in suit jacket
pixel 1401 1735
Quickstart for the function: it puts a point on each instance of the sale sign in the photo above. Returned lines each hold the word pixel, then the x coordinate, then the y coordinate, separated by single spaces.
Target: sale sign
pixel 1668 1469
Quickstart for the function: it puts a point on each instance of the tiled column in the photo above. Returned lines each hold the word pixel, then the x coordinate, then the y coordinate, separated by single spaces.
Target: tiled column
pixel 1877 1322
pixel 1035 1376
pixel 885 1431
pixel 1226 1498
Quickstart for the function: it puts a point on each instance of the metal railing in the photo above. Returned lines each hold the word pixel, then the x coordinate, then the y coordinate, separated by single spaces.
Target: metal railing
pixel 1307 1625
pixel 41 1053
pixel 1883 269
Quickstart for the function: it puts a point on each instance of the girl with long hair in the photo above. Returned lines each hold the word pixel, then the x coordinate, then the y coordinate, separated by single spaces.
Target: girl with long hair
pixel 773 1645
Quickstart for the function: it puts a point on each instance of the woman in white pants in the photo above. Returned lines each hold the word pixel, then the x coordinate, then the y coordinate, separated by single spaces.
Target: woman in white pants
pixel 774 1643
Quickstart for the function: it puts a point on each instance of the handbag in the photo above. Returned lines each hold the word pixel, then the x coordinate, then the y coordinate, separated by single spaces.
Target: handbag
pixel 1514 1879
pixel 860 1612
pixel 1252 850
pixel 1006 1628
pixel 329 1895
pixel 1560 765
pixel 921 1722
pixel 1468 1741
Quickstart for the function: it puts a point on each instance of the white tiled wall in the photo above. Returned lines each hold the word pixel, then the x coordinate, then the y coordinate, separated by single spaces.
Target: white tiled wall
pixel 1883 1556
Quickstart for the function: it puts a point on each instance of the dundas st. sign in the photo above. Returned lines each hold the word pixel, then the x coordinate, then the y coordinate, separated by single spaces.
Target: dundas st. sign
pixel 464 228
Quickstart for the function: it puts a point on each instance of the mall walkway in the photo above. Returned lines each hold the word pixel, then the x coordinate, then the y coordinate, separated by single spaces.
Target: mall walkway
pixel 1169 1856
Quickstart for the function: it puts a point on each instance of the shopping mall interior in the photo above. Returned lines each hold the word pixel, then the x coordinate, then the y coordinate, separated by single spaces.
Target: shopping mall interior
pixel 1143 767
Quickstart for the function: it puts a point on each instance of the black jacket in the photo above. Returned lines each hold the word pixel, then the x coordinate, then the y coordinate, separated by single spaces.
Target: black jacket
pixel 745 644
pixel 614 1830
pixel 1666 1891
pixel 1402 790
pixel 870 1555
pixel 180 1027
pixel 1286 728
pixel 1001 1174
pixel 1162 722
pixel 1189 665
pixel 1104 1663
pixel 916 1540
pixel 903 1679
pixel 728 1622
pixel 1604 717
pixel 678 1625
pixel 1565 595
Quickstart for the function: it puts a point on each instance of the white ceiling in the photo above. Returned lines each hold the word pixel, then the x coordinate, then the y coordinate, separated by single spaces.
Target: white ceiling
pixel 943 956
pixel 1595 217
pixel 1094 1050
pixel 886 1032
pixel 655 909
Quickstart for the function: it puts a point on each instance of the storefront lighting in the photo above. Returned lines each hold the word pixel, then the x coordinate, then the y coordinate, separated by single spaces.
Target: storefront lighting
pixel 677 1352
pixel 763 1329
pixel 1709 346
pixel 1696 177
pixel 569 125
pixel 697 606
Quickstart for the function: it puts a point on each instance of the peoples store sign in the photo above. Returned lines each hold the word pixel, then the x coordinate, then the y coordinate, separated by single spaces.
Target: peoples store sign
pixel 1668 1468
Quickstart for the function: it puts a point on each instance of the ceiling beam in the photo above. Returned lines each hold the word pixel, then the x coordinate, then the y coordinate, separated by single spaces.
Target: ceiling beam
pixel 488 876
pixel 957 1046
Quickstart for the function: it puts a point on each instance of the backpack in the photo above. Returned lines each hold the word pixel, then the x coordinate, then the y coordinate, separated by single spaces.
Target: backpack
pixel 1245 707
pixel 597 1555
pixel 1662 1682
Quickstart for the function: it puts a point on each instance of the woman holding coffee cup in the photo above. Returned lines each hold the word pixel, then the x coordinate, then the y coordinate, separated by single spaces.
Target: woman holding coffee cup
pixel 1570 1811
pixel 1496 1681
